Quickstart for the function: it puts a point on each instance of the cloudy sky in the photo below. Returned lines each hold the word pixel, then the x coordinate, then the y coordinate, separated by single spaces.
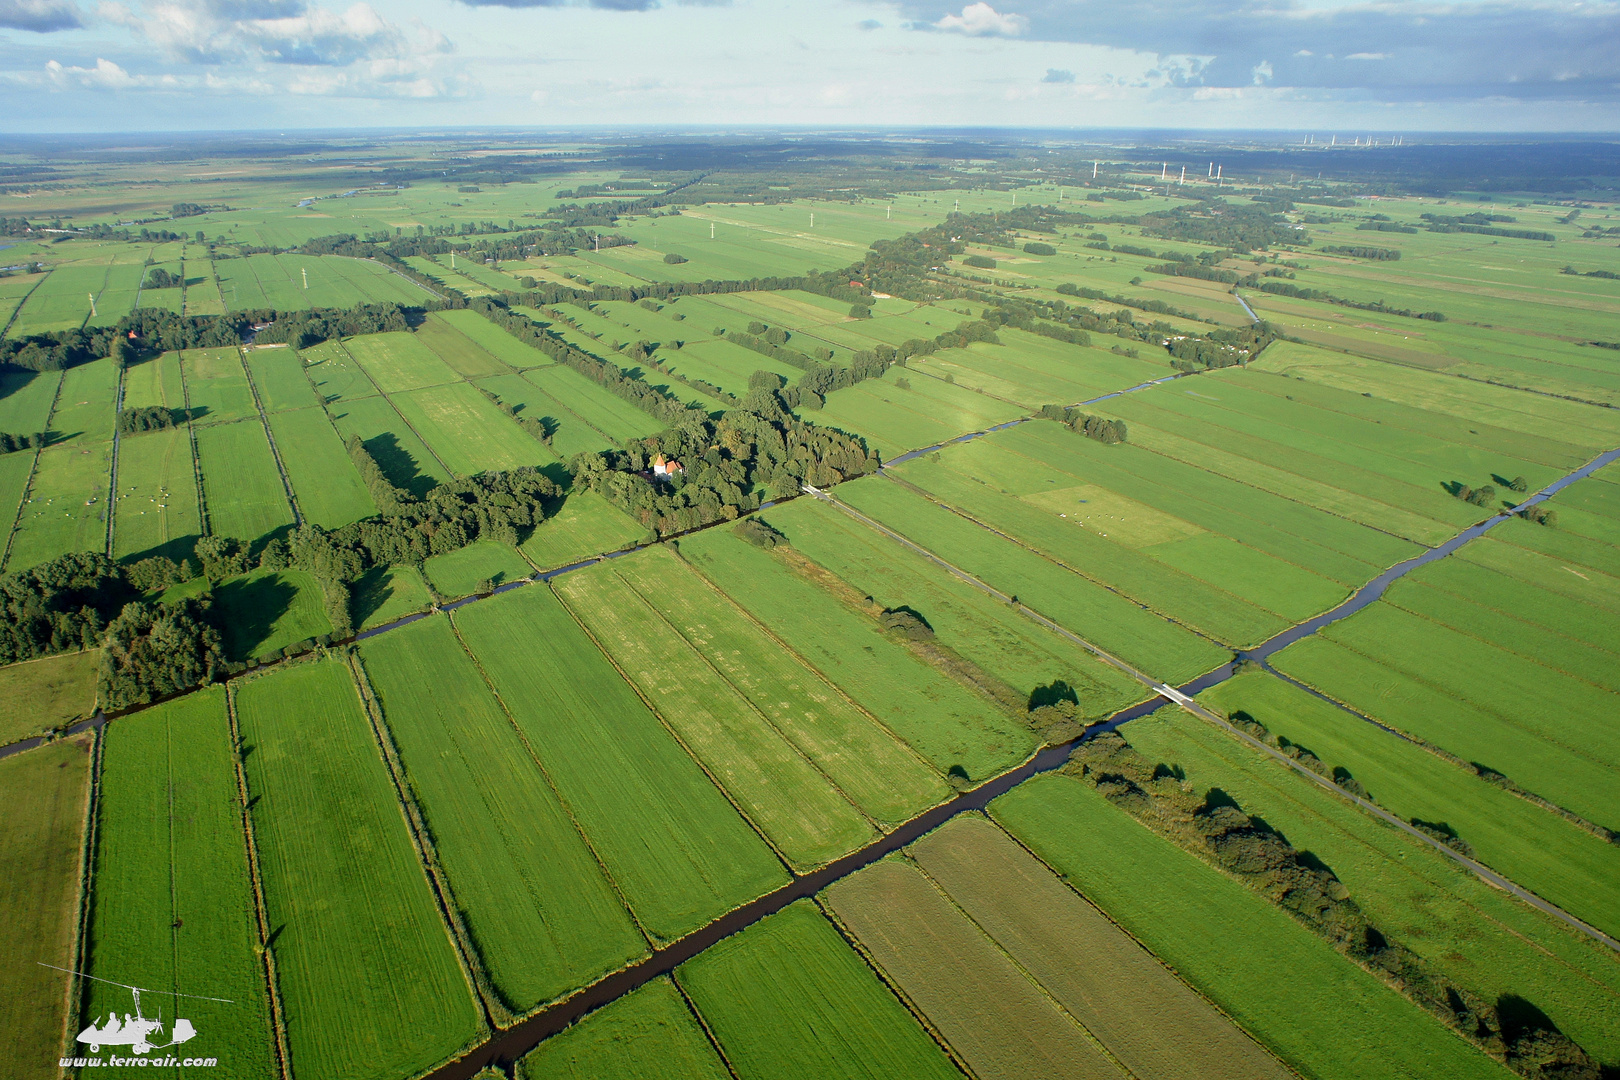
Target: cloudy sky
pixel 1348 66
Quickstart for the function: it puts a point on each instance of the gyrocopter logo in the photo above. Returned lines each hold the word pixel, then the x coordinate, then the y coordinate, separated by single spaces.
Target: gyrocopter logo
pixel 141 1033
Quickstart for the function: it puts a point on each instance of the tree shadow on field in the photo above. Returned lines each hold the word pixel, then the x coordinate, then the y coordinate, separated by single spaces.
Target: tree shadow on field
pixel 248 610
pixel 1051 694
pixel 402 470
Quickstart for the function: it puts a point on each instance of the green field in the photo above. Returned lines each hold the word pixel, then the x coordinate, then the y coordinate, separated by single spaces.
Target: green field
pixel 385 593
pixel 330 492
pixel 678 852
pixel 1310 1006
pixel 85 404
pixel 278 375
pixel 335 375
pixel 458 573
pixel 780 790
pixel 873 769
pixel 467 432
pixel 586 524
pixel 242 488
pixel 38 695
pixel 493 340
pixel 649 1034
pixel 604 411
pixel 541 914
pixel 1488 942
pixel 788 998
pixel 947 724
pixel 155 507
pixel 25 400
pixel 398 361
pixel 67 504
pixel 469 359
pixel 366 970
pixel 893 420
pixel 569 433
pixel 217 385
pixel 156 381
pixel 277 281
pixel 173 903
pixel 45 792
pixel 397 450
pixel 267 610
pixel 61 301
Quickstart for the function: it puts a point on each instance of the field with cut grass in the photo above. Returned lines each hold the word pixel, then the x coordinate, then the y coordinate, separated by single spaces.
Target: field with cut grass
pixel 277 281
pixel 385 593
pixel 25 400
pixel 675 847
pixel 278 374
pixel 242 488
pixel 1486 941
pixel 155 506
pixel 570 433
pixel 783 793
pixel 458 573
pixel 788 998
pixel 67 505
pixel 85 405
pixel 217 385
pixel 173 905
pixel 267 610
pixel 45 792
pixel 390 441
pixel 950 726
pixel 493 340
pixel 335 374
pixel 467 432
pixel 330 492
pixel 586 524
pixel 1304 1002
pixel 607 413
pixel 649 1033
pixel 155 382
pixel 466 357
pixel 894 418
pixel 38 695
pixel 399 361
pixel 367 973
pixel 541 914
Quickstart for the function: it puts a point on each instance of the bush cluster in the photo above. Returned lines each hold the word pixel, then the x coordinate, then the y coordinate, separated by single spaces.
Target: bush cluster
pixel 1100 428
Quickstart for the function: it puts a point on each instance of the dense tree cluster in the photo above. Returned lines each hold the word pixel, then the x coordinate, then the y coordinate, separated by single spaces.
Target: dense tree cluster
pixel 153 650
pixel 60 605
pixel 1385 226
pixel 1100 428
pixel 1242 227
pixel 145 418
pixel 1483 496
pixel 301 329
pixel 1284 288
pixel 10 443
pixel 1195 270
pixel 1037 248
pixel 1540 514
pixel 1357 252
pixel 159 278
pixel 979 262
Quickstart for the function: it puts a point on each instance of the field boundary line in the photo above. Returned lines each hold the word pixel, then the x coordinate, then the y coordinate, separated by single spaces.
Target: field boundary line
pixel 261 913
pixel 33 472
pixel 270 437
pixel 782 858
pixel 703 1024
pixel 855 945
pixel 203 525
pixel 767 721
pixel 77 991
pixel 112 466
pixel 408 426
pixel 528 747
pixel 479 984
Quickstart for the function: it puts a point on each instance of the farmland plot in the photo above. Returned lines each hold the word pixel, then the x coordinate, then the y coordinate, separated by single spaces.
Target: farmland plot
pixel 279 376
pixel 85 406
pixel 173 901
pixel 156 511
pixel 61 301
pixel 67 505
pixel 25 400
pixel 873 768
pixel 894 419
pixel 217 385
pixel 783 794
pixel 493 340
pixel 335 374
pixel 155 382
pixel 677 850
pixel 399 361
pixel 458 573
pixel 467 432
pixel 1304 1002
pixel 38 695
pixel 609 414
pixel 585 525
pixel 788 998
pixel 649 1034
pixel 385 593
pixel 265 611
pixel 945 723
pixel 367 973
pixel 398 452
pixel 241 486
pixel 45 792
pixel 570 434
pixel 330 491
pixel 984 1007
pixel 469 359
pixel 544 918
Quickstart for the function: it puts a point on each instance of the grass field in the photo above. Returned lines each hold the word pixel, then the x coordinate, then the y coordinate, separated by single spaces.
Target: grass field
pixel 329 490
pixel 893 420
pixel 385 593
pixel 788 998
pixel 570 434
pixel 173 903
pixel 607 413
pixel 1101 616
pixel 677 850
pixel 217 385
pixel 335 374
pixel 367 973
pixel 1085 962
pixel 399 361
pixel 1005 643
pixel 25 400
pixel 543 917
pixel 61 301
pixel 45 791
pixel 85 405
pixel 993 1015
pixel 1486 941
pixel 38 695
pixel 268 610
pixel 155 507
pixel 1307 1004
pixel 649 1034
pixel 278 374
pixel 66 506
pixel 457 573
pixel 783 793
pixel 469 359
pixel 493 340
pixel 397 450
pixel 586 524
pixel 156 381
pixel 241 485
pixel 277 281
pixel 945 723
pixel 872 768
pixel 467 432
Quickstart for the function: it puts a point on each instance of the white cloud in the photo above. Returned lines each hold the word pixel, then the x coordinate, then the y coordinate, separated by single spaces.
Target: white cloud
pixel 1367 56
pixel 106 75
pixel 982 20
pixel 40 16
pixel 1262 73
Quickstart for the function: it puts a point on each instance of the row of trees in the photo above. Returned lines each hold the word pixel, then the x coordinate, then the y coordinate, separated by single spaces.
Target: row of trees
pixel 1100 428
pixel 10 443
pixel 1356 251
pixel 145 418
pixel 1284 288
